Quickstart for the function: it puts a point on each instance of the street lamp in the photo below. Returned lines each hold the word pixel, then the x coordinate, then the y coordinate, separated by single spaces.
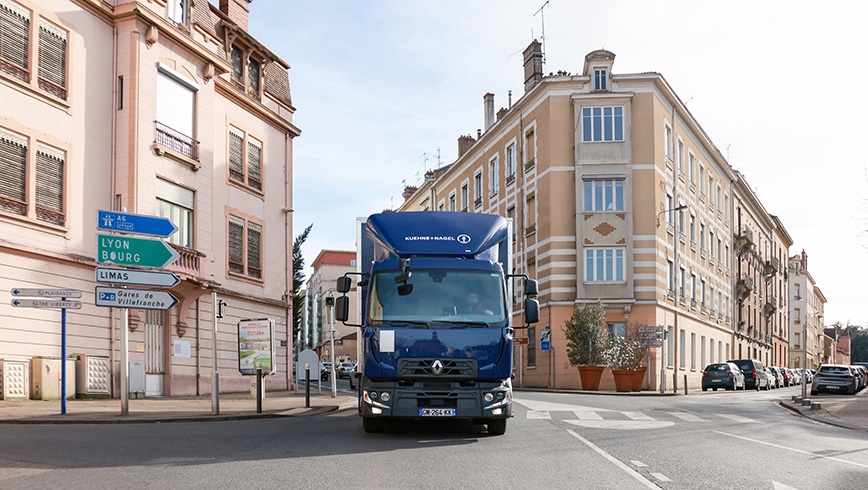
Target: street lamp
pixel 674 284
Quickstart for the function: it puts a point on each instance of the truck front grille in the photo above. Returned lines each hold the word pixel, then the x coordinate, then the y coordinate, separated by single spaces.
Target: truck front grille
pixel 425 368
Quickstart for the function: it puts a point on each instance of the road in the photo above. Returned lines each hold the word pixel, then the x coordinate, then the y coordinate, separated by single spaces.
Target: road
pixel 708 440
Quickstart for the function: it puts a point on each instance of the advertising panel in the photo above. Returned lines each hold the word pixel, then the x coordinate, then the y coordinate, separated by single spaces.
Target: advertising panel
pixel 256 346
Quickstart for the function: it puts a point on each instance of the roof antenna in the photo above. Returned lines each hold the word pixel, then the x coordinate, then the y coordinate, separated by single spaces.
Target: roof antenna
pixel 543 36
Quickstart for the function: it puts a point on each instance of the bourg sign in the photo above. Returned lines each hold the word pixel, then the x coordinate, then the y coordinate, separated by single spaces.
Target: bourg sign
pixel 128 250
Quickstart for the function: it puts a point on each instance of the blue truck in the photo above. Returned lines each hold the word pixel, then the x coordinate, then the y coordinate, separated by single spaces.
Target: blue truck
pixel 436 309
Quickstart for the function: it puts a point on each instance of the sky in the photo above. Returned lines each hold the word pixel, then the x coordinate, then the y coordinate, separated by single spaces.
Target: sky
pixel 382 88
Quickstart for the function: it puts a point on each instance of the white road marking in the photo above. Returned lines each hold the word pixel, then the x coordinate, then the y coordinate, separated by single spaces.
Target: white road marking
pixel 737 418
pixel 615 461
pixel 660 476
pixel 794 450
pixel 637 416
pixel 687 417
pixel 555 407
pixel 534 415
pixel 781 486
pixel 584 415
pixel 621 424
pixel 639 464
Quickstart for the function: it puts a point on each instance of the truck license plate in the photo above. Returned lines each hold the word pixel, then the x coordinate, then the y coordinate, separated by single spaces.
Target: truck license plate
pixel 436 412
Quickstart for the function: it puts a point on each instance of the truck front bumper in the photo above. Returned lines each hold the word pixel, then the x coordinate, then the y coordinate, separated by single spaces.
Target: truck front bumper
pixel 483 401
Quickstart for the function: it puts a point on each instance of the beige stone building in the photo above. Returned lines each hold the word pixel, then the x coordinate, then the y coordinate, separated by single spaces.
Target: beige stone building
pixel 619 195
pixel 327 267
pixel 157 108
pixel 807 314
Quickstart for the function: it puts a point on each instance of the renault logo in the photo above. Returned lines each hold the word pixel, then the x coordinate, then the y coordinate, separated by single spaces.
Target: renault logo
pixel 463 239
pixel 437 367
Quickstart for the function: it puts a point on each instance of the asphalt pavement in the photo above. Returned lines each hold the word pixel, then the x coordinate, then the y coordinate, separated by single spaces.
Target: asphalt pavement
pixel 839 410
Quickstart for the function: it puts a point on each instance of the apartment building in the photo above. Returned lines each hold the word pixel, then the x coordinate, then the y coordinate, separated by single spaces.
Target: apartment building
pixel 167 109
pixel 328 266
pixel 807 313
pixel 618 195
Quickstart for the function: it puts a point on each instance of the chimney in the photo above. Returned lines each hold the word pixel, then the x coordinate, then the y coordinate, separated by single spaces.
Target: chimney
pixel 409 190
pixel 804 260
pixel 489 109
pixel 502 112
pixel 465 142
pixel 533 65
pixel 237 11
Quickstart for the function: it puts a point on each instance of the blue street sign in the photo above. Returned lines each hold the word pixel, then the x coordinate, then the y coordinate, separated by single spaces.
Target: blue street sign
pixel 139 224
pixel 545 345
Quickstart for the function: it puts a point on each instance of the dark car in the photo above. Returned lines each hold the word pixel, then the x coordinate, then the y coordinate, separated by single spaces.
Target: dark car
pixel 755 376
pixel 724 375
pixel 834 378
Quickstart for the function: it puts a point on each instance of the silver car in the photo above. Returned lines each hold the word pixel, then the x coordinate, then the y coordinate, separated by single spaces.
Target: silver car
pixel 835 378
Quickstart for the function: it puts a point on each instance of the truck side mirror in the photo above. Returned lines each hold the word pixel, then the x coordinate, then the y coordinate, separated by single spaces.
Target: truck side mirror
pixel 342 308
pixel 343 284
pixel 531 311
pixel 530 287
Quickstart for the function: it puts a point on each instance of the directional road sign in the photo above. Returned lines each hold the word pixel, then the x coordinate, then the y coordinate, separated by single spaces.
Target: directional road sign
pixel 46 303
pixel 135 298
pixel 520 340
pixel 47 293
pixel 127 250
pixel 141 278
pixel 139 224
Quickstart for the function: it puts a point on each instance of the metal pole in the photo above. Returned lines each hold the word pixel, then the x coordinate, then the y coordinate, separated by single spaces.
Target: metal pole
pixel 804 356
pixel 259 391
pixel 63 359
pixel 306 385
pixel 334 381
pixel 685 384
pixel 215 379
pixel 125 362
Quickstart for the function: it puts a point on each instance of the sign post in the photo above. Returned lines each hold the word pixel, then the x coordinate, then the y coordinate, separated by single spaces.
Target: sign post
pixel 63 304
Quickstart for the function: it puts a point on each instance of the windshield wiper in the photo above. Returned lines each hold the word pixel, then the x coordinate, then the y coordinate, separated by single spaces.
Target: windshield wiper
pixel 464 323
pixel 408 323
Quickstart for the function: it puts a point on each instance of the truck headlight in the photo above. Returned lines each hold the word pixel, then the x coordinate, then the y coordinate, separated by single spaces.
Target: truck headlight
pixel 385 396
pixel 488 397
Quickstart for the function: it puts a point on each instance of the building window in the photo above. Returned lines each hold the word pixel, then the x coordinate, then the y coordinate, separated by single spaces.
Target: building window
pixel 245 159
pixel 510 164
pixel 602 124
pixel 452 202
pixel 667 144
pixel 246 72
pixel 28 164
pixel 603 195
pixel 681 159
pixel 176 203
pixel 692 168
pixel 601 79
pixel 465 198
pixel 692 231
pixel 176 110
pixel 710 351
pixel 510 214
pixel 493 176
pixel 702 182
pixel 477 188
pixel 177 11
pixel 245 247
pixel 693 351
pixel 670 347
pixel 682 342
pixel 604 264
pixel 616 329
pixel 15 49
pixel 531 347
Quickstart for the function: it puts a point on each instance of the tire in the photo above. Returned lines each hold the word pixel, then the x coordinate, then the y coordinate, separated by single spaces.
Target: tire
pixel 497 427
pixel 372 425
pixel 734 385
pixel 704 388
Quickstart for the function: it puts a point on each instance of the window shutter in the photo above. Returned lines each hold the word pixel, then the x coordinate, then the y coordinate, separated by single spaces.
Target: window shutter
pixel 236 245
pixel 253 77
pixel 254 164
pixel 13 177
pixel 49 184
pixel 237 65
pixel 14 39
pixel 254 247
pixel 236 156
pixel 52 59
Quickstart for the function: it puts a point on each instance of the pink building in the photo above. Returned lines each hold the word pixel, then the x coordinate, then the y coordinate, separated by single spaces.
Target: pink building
pixel 157 108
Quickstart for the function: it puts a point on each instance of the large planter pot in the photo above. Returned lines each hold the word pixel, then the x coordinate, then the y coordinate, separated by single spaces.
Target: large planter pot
pixel 623 379
pixel 590 376
pixel 639 377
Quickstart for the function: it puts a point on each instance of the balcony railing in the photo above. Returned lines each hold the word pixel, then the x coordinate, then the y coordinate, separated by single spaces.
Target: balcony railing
pixel 174 140
pixel 188 262
pixel 14 70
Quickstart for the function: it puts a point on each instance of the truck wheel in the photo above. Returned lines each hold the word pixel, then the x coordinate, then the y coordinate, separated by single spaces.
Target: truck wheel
pixel 372 425
pixel 497 427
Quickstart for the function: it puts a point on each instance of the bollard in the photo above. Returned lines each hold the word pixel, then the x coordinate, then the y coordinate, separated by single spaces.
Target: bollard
pixel 806 402
pixel 685 384
pixel 797 399
pixel 815 406
pixel 674 382
pixel 307 385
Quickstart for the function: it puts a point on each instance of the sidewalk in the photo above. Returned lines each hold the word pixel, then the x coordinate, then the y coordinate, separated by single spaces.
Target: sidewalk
pixel 233 406
pixel 849 412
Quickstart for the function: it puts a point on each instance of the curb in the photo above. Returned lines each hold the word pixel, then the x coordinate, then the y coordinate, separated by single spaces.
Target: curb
pixel 810 414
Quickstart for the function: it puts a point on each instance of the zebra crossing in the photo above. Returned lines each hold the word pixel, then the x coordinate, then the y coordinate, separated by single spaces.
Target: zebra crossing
pixel 600 418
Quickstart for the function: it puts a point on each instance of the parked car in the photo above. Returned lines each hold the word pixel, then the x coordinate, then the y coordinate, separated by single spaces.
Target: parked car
pixel 325 371
pixel 345 368
pixel 724 375
pixel 861 375
pixel 755 377
pixel 775 375
pixel 834 378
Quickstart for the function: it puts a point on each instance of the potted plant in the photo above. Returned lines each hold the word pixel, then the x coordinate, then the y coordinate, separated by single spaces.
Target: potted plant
pixel 586 342
pixel 620 358
pixel 639 356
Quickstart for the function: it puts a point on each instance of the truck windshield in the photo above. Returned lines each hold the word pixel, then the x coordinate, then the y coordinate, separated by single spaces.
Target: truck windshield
pixel 450 297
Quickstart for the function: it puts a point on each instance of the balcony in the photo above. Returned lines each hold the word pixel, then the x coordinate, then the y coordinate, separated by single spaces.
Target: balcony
pixel 175 141
pixel 477 202
pixel 744 286
pixel 188 262
pixel 769 308
pixel 771 267
pixel 510 179
pixel 744 241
